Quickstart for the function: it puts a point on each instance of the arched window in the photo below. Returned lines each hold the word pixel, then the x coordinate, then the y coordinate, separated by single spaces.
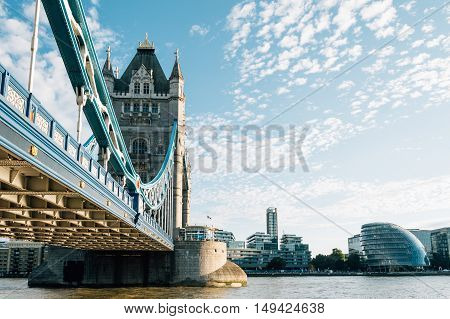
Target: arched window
pixel 139 146
pixel 137 88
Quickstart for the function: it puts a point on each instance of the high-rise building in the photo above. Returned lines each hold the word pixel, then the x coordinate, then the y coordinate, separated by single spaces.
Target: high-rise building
pixel 146 105
pixel 425 238
pixel 440 239
pixel 272 224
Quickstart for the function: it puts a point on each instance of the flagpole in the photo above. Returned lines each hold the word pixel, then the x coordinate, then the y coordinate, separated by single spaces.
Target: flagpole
pixel 34 45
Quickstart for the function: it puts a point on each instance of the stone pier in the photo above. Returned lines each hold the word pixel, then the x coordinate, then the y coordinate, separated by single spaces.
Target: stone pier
pixel 192 263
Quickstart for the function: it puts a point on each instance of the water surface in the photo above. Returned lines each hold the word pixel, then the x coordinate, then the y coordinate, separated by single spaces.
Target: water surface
pixel 258 287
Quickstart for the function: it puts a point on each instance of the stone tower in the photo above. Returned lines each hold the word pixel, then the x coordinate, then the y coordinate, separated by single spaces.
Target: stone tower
pixel 146 104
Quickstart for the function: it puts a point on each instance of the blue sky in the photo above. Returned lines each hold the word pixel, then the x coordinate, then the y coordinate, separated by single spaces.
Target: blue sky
pixel 378 141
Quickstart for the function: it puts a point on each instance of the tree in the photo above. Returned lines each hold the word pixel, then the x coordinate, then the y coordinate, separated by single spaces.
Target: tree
pixel 354 262
pixel 337 260
pixel 321 262
pixel 334 261
pixel 276 263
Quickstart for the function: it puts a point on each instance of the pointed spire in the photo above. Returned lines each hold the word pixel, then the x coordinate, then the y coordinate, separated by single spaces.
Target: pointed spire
pixel 108 57
pixel 176 71
pixel 107 68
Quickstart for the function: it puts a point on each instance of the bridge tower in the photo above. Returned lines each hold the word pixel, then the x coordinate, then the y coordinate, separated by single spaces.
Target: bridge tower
pixel 146 103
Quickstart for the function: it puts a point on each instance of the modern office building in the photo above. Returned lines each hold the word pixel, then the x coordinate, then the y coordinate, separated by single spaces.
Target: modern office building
pixel 389 247
pixel 3 242
pixel 354 245
pixel 272 224
pixel 425 238
pixel 294 252
pixel 197 233
pixel 440 239
pixel 224 235
pixel 19 258
pixel 237 244
pixel 261 241
pixel 4 254
pixel 246 258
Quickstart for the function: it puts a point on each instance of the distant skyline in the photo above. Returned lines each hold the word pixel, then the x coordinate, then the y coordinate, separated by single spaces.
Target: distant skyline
pixel 377 147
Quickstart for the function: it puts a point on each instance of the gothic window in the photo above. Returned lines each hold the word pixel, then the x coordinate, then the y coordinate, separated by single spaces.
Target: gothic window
pixel 143 177
pixel 137 88
pixel 146 88
pixel 145 108
pixel 155 109
pixel 136 108
pixel 160 149
pixel 139 146
pixel 127 108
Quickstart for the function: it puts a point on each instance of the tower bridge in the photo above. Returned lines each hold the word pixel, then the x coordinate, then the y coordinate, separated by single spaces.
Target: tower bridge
pixel 122 210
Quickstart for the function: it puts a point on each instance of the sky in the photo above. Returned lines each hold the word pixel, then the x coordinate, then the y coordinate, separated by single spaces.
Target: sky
pixel 335 112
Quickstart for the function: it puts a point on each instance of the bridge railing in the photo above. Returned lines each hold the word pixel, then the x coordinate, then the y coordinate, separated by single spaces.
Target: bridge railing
pixel 30 108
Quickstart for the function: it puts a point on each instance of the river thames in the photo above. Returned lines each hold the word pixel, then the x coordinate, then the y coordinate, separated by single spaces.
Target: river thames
pixel 258 288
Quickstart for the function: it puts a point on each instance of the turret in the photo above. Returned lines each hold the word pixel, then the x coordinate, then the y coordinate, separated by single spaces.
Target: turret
pixel 176 79
pixel 107 71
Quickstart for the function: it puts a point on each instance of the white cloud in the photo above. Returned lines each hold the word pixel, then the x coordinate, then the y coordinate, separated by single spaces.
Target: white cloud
pixel 51 83
pixel 307 34
pixel 103 37
pixel 239 13
pixel 374 9
pixel 427 28
pixel 199 30
pixel 289 41
pixel 282 90
pixel 346 85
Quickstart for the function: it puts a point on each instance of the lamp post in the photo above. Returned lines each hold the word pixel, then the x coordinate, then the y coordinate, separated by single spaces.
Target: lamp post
pixel 34 45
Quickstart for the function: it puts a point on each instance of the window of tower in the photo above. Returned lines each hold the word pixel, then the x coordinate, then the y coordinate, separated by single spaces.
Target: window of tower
pixel 160 149
pixel 139 146
pixel 155 108
pixel 146 88
pixel 127 108
pixel 137 88
pixel 145 108
pixel 136 108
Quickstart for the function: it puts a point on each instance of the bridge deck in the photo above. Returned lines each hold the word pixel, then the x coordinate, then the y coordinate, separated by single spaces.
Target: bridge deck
pixel 35 207
pixel 52 191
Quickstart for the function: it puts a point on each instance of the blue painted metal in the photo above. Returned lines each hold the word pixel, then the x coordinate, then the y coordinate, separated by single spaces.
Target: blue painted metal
pixel 37 126
pixel 68 23
pixel 90 144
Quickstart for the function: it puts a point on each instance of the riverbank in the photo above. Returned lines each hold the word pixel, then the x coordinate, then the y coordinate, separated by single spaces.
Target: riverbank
pixel 251 273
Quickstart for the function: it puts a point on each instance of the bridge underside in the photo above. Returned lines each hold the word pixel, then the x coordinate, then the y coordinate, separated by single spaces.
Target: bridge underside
pixel 35 207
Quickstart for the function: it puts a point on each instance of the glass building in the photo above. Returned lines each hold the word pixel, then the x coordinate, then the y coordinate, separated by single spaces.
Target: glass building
pixel 389 247
pixel 425 238
pixel 272 224
pixel 440 239
pixel 261 241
